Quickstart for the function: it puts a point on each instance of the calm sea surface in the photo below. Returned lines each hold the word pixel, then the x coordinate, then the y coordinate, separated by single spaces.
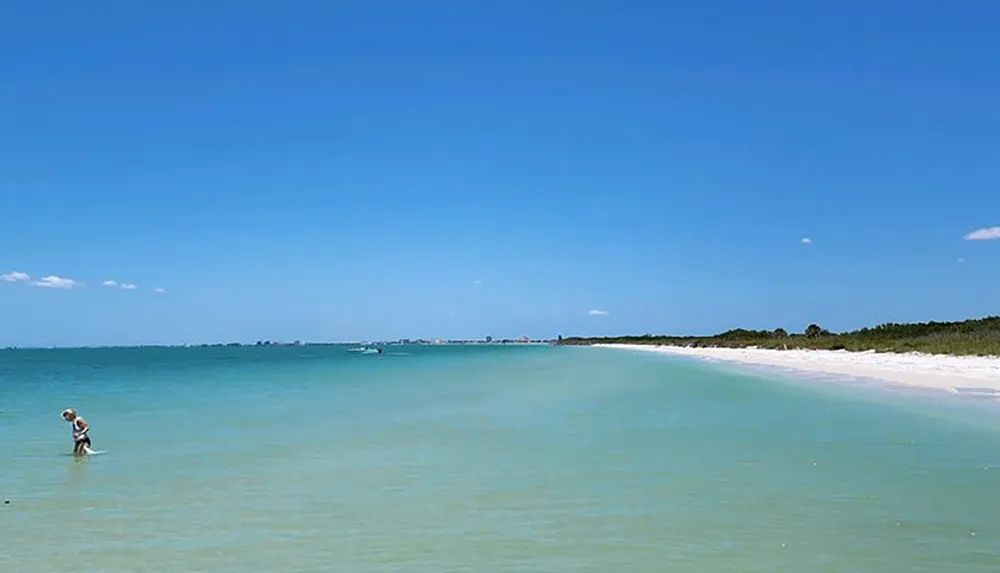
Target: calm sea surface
pixel 439 459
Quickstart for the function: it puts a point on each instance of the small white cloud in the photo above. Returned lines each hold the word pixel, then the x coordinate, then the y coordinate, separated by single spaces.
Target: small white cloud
pixel 985 234
pixel 598 312
pixel 15 277
pixel 54 281
pixel 159 291
pixel 477 282
pixel 110 283
pixel 806 241
pixel 127 286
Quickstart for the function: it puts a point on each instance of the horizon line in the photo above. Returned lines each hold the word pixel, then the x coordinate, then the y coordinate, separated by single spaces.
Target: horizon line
pixel 273 343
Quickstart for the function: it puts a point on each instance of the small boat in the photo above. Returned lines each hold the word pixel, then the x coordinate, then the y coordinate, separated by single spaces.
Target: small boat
pixel 365 350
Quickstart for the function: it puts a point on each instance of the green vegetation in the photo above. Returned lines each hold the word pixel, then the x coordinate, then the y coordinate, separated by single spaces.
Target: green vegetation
pixel 969 337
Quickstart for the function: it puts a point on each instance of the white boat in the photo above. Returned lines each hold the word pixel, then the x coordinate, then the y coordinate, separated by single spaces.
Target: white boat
pixel 365 350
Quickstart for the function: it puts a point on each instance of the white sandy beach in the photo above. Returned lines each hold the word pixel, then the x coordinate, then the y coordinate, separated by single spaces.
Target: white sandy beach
pixel 952 373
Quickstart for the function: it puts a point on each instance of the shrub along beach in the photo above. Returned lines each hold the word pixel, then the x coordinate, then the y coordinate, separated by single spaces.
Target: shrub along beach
pixel 979 337
pixel 956 356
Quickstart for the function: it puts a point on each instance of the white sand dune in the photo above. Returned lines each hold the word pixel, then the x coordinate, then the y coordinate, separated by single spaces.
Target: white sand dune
pixel 951 373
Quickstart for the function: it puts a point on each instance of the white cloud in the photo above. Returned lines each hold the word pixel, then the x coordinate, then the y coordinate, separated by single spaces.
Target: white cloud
pixel 53 281
pixel 985 234
pixel 159 291
pixel 806 241
pixel 110 283
pixel 15 277
pixel 127 286
pixel 598 312
pixel 477 282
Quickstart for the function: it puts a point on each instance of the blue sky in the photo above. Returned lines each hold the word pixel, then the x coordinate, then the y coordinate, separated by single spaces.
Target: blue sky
pixel 325 170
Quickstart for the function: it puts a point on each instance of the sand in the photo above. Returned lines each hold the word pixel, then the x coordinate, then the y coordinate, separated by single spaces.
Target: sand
pixel 975 374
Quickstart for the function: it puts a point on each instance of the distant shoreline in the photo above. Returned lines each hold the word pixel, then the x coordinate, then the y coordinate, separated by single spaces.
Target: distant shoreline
pixel 773 348
pixel 976 337
pixel 269 344
pixel 957 374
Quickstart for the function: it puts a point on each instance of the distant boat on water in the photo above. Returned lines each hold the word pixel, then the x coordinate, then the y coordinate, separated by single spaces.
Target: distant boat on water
pixel 365 350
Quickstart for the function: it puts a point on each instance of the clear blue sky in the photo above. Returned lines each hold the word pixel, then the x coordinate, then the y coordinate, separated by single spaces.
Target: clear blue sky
pixel 324 170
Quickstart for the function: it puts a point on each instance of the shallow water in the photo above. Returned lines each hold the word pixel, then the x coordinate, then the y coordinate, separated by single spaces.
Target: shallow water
pixel 483 459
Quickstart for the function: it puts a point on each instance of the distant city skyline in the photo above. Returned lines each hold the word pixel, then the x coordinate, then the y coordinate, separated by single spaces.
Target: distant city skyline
pixel 485 341
pixel 202 172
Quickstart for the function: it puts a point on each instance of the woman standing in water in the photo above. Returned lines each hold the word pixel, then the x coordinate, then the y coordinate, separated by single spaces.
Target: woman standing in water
pixel 81 431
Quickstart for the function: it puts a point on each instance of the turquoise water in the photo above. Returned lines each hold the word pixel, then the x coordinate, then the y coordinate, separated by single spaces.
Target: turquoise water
pixel 483 459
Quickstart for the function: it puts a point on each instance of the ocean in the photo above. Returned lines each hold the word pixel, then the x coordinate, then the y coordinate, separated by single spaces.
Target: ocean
pixel 483 459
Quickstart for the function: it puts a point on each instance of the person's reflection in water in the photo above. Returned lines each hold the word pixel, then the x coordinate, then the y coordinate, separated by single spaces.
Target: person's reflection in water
pixel 77 473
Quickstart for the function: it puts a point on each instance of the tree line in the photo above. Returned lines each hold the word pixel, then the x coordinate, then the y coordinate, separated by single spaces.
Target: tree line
pixel 979 336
